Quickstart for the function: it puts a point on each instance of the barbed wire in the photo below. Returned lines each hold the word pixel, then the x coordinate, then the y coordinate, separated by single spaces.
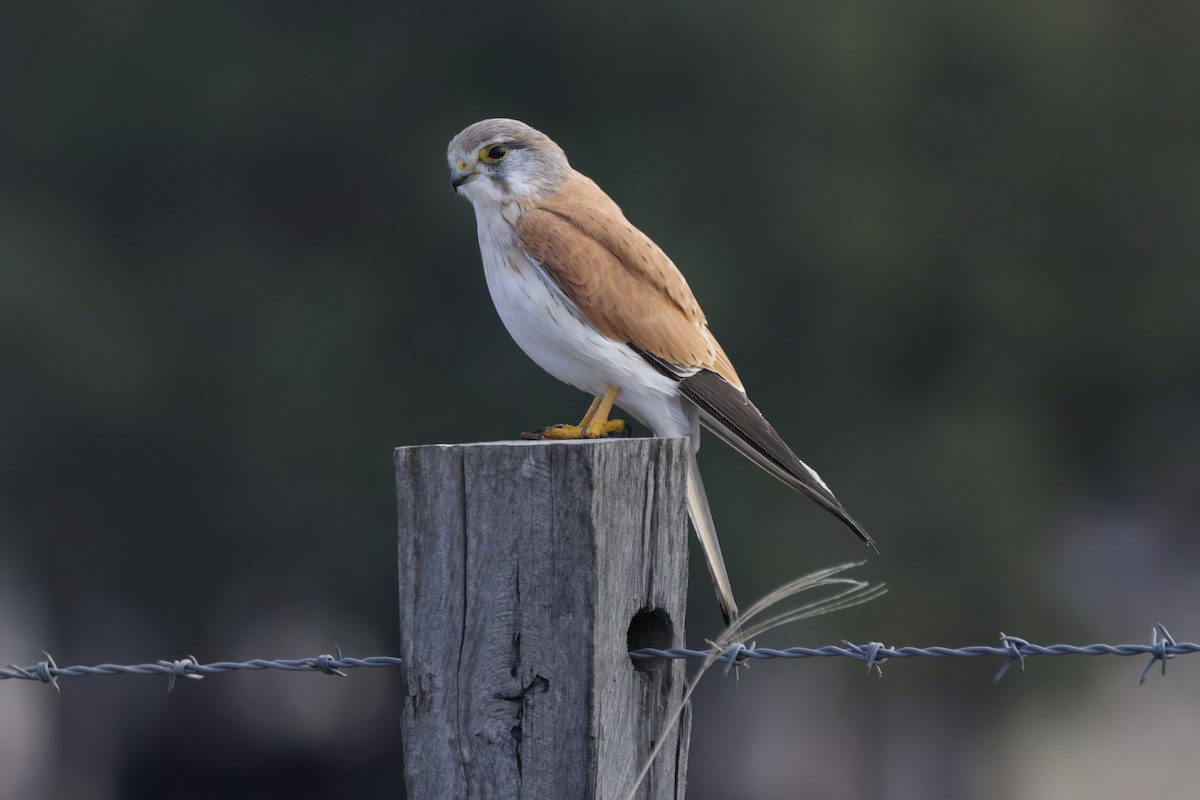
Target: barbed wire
pixel 874 654
pixel 1162 648
pixel 47 671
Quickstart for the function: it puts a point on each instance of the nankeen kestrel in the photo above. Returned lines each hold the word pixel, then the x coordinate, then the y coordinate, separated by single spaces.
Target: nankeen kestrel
pixel 594 302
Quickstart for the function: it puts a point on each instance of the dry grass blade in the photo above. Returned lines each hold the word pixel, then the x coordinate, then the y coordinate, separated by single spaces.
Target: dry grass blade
pixel 850 592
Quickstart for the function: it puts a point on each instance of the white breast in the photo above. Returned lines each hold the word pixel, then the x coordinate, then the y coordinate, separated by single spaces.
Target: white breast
pixel 549 328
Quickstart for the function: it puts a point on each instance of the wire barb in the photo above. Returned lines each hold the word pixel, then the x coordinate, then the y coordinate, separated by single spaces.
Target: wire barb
pixel 1159 651
pixel 46 671
pixel 1016 655
pixel 735 655
pixel 179 669
pixel 870 654
pixel 326 662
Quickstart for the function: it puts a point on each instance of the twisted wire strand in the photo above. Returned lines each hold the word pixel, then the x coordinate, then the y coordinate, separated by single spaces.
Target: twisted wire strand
pixel 883 652
pixel 1162 648
pixel 48 672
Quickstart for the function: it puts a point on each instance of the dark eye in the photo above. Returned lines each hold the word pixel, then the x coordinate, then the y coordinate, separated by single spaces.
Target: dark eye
pixel 493 154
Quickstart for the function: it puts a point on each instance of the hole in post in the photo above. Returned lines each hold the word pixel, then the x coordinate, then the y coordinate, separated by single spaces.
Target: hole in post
pixel 650 627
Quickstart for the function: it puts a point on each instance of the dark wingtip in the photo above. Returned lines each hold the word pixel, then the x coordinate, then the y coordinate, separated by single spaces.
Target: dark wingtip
pixel 866 537
pixel 850 523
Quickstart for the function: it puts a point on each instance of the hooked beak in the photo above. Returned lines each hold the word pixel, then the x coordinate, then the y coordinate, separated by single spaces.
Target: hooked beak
pixel 460 173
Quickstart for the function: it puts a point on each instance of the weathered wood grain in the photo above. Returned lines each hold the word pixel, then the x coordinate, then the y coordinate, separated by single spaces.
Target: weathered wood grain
pixel 522 565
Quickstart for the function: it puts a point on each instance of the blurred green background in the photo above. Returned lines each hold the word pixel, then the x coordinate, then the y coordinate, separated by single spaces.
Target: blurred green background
pixel 952 248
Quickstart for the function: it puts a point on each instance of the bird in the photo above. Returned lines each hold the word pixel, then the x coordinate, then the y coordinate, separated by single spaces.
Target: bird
pixel 593 301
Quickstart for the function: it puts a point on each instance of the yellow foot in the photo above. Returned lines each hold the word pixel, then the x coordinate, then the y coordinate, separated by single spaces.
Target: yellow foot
pixel 594 425
pixel 598 429
pixel 612 427
pixel 562 431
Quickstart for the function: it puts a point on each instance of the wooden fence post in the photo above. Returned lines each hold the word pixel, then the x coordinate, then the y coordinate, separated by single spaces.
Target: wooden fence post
pixel 527 570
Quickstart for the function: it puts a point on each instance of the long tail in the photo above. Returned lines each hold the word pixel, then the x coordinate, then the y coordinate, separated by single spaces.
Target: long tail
pixel 727 411
pixel 706 532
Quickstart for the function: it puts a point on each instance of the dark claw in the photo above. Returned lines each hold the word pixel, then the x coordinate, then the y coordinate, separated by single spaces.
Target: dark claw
pixel 539 433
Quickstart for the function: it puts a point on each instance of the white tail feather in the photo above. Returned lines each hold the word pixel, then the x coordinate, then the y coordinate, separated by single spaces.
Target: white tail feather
pixel 706 532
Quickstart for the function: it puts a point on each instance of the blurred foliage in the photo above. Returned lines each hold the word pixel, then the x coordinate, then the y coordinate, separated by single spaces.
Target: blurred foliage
pixel 951 247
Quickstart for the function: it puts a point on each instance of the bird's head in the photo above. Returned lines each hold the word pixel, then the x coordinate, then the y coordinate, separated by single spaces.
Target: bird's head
pixel 500 160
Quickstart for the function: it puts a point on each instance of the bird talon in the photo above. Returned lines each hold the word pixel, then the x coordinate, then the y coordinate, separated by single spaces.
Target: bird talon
pixel 560 431
pixel 611 427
